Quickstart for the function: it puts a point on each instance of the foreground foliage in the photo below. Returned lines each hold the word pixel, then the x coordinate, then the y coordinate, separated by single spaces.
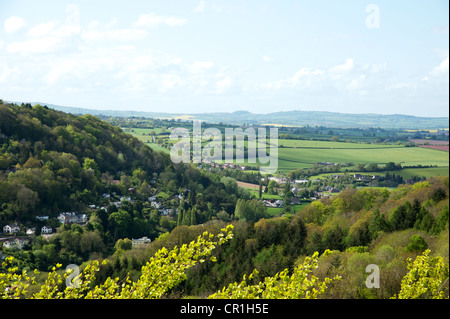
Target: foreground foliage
pixel 281 286
pixel 425 279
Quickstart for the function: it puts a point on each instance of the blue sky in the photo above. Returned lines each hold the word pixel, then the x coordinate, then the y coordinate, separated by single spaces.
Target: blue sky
pixel 352 56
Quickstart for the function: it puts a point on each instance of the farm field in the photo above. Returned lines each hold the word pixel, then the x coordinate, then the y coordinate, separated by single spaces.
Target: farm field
pixel 290 158
pixel 298 154
pixel 436 147
pixel 332 145
pixel 431 142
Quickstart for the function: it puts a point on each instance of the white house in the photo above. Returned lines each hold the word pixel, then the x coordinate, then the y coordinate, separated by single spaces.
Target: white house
pixel 140 242
pixel 11 228
pixel 46 229
pixel 72 218
pixel 17 243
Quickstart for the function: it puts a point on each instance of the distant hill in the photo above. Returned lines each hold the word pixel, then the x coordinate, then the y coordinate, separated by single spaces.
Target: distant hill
pixel 289 118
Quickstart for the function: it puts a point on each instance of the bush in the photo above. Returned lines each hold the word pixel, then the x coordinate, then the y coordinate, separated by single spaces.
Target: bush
pixel 417 243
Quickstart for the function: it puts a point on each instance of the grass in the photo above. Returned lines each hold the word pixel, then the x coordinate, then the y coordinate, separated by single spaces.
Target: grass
pixel 333 145
pixel 299 154
pixel 274 211
pixel 290 159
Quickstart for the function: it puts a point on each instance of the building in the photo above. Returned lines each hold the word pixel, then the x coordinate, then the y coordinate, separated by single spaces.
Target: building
pixel 16 243
pixel 46 229
pixel 11 229
pixel 140 242
pixel 72 218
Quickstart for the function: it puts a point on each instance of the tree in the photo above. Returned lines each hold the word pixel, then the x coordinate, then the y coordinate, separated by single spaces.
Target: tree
pixel 119 223
pixel 438 194
pixel 91 241
pixel 123 244
pixel 333 239
pixel 377 224
pixel 250 210
pixel 89 163
pixel 162 272
pixel 32 163
pixel 417 243
pixel 260 186
pixel 271 187
pixel 300 285
pixel 426 278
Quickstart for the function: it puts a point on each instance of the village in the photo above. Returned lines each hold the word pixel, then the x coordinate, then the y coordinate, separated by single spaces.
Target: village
pixel 304 190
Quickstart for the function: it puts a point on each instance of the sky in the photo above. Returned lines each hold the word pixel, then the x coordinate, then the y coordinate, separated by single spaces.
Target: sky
pixel 194 56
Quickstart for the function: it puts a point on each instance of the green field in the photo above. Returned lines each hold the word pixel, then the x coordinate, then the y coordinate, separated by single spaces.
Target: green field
pixel 290 158
pixel 297 154
pixel 332 145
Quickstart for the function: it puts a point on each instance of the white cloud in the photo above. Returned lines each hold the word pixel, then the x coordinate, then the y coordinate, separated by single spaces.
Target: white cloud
pixel 356 83
pixel 200 7
pixel 4 73
pixel 267 58
pixel 35 46
pixel 301 79
pixel 118 34
pixel 152 20
pixel 201 66
pixel 442 69
pixel 348 78
pixel 343 68
pixel 170 81
pixel 440 30
pixel 42 29
pixel 224 84
pixel 60 69
pixel 14 24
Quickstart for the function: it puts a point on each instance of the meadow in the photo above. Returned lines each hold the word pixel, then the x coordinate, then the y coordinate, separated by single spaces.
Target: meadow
pixel 293 158
pixel 298 154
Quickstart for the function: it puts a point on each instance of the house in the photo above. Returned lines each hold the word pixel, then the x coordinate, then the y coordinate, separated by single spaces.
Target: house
pixel 41 218
pixel 279 203
pixel 31 231
pixel 72 218
pixel 156 205
pixel 360 177
pixel 140 242
pixel 16 243
pixel 46 229
pixel 11 228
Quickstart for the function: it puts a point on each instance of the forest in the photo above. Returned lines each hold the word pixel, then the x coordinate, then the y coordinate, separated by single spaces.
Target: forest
pixel 53 162
pixel 360 227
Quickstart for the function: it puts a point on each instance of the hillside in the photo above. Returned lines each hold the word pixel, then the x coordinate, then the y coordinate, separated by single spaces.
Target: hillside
pixel 291 118
pixel 360 227
pixel 53 162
